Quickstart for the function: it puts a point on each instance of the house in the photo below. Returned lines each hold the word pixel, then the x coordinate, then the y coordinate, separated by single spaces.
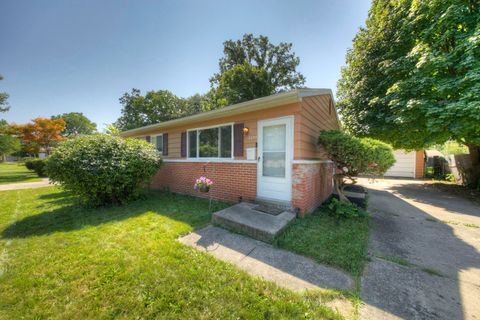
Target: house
pixel 408 164
pixel 263 149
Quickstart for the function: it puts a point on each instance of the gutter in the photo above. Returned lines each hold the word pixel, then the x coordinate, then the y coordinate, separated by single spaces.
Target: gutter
pixel 244 107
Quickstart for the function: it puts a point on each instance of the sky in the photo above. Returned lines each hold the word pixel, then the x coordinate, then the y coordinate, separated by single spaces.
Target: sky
pixel 81 56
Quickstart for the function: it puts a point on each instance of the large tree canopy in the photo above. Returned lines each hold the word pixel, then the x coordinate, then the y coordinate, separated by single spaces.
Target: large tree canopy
pixel 41 132
pixel 153 107
pixel 156 106
pixel 76 124
pixel 413 76
pixel 253 67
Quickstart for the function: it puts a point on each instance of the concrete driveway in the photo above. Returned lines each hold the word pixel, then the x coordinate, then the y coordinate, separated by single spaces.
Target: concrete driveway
pixel 425 253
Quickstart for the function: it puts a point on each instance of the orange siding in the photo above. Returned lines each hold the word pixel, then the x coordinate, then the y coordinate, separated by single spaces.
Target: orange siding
pixel 419 164
pixel 317 114
pixel 312 115
pixel 249 119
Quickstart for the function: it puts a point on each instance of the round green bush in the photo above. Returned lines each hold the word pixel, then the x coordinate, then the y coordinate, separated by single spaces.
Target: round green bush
pixel 37 165
pixel 103 169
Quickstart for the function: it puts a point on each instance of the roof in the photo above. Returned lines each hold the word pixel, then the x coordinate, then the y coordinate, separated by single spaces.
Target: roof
pixel 239 108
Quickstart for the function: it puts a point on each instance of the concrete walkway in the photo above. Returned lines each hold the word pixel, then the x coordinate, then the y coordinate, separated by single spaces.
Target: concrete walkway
pixel 285 268
pixel 25 185
pixel 425 253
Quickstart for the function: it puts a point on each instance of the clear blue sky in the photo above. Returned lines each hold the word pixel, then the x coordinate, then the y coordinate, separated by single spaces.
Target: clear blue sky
pixel 62 56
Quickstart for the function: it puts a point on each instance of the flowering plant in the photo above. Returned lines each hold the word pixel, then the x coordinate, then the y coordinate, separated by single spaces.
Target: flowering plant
pixel 203 184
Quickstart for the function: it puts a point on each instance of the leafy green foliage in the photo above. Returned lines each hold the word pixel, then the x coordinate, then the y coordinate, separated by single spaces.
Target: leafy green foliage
pixel 379 155
pixel 37 165
pixel 8 142
pixel 76 123
pixel 103 169
pixel 354 156
pixel 413 76
pixel 343 210
pixel 243 82
pixel 156 106
pixel 3 100
pixel 253 68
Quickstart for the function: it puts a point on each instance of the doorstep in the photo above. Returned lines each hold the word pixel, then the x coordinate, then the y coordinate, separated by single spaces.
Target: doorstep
pixel 243 218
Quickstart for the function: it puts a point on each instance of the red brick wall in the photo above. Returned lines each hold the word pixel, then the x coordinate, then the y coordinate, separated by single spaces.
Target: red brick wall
pixel 312 184
pixel 231 180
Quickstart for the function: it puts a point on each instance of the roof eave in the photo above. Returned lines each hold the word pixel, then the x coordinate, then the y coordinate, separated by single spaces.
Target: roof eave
pixel 244 107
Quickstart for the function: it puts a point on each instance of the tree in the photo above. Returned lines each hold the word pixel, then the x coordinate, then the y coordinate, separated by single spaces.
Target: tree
pixel 111 129
pixel 353 156
pixel 3 100
pixel 42 132
pixel 413 76
pixel 253 67
pixel 76 124
pixel 8 142
pixel 154 107
pixel 243 82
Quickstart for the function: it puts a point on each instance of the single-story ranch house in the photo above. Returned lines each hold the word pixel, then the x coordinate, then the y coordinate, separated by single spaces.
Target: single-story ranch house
pixel 264 149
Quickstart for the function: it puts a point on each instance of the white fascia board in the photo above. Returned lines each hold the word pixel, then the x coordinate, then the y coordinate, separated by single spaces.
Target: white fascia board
pixel 244 107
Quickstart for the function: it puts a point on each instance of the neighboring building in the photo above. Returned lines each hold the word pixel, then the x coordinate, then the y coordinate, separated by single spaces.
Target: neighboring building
pixel 409 164
pixel 261 149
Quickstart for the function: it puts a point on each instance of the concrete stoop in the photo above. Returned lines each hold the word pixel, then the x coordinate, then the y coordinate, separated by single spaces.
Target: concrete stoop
pixel 243 218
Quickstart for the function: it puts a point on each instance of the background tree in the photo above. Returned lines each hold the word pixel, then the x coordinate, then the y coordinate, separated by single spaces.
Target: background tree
pixel 8 142
pixel 76 124
pixel 111 129
pixel 413 76
pixel 42 132
pixel 252 68
pixel 154 107
pixel 3 100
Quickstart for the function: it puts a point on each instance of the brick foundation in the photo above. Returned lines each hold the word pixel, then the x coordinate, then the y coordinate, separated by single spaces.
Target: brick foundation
pixel 312 185
pixel 231 180
pixel 312 182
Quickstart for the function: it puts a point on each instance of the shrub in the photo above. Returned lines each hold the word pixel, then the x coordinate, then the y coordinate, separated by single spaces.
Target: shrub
pixel 343 210
pixel 379 155
pixel 37 165
pixel 103 169
pixel 354 156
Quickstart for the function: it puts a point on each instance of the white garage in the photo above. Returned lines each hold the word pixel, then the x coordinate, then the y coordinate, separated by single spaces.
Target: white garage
pixel 405 165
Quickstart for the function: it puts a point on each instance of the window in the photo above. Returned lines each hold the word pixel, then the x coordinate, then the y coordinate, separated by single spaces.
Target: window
pixel 213 142
pixel 157 141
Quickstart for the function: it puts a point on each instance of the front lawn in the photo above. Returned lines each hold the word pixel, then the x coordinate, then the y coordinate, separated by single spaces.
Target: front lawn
pixel 342 244
pixel 15 173
pixel 61 261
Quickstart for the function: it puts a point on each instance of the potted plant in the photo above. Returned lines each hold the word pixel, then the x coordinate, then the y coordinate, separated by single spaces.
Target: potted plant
pixel 203 184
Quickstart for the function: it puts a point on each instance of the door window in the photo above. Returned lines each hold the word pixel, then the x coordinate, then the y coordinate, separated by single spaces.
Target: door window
pixel 274 151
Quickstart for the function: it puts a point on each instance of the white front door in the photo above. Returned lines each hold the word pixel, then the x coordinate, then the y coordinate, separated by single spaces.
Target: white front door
pixel 275 155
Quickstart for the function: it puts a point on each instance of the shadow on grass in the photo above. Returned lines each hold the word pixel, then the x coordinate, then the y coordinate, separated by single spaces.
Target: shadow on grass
pixel 72 216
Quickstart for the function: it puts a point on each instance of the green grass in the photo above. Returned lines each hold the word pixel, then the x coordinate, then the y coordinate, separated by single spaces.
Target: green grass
pixel 61 261
pixel 341 244
pixel 15 173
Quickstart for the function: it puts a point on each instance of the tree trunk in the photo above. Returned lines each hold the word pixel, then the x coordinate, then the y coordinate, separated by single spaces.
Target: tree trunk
pixel 475 159
pixel 338 185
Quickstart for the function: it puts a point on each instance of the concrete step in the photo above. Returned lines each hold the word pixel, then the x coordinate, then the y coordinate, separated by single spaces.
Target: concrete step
pixel 242 218
pixel 286 205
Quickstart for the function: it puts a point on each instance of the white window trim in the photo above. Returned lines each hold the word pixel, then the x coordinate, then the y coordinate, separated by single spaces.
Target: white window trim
pixel 219 142
pixel 156 137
